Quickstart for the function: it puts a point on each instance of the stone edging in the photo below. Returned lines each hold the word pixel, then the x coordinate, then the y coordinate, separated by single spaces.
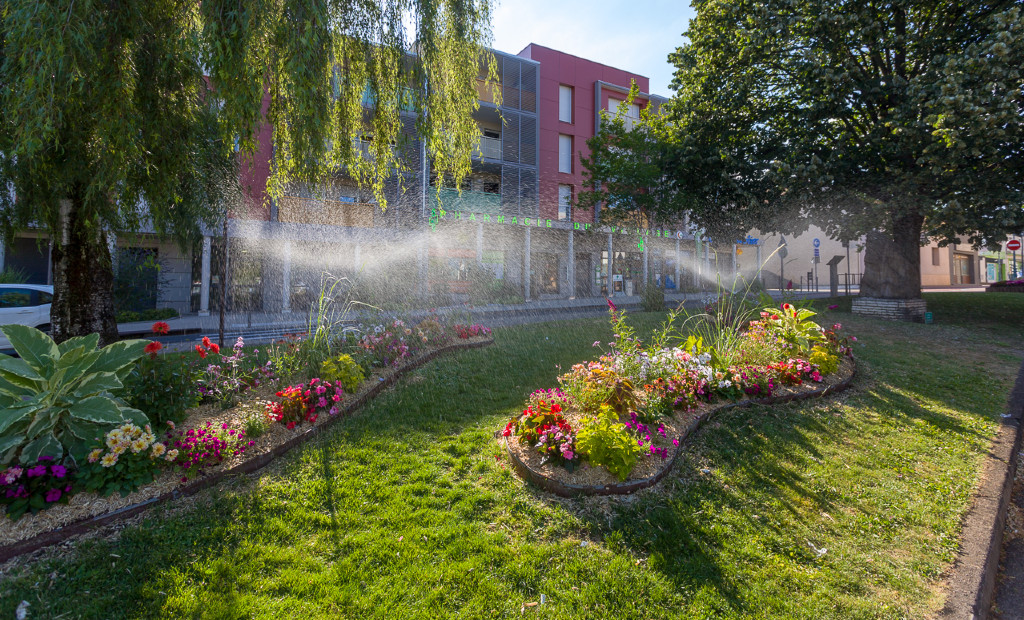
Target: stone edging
pixel 82 526
pixel 972 583
pixel 564 489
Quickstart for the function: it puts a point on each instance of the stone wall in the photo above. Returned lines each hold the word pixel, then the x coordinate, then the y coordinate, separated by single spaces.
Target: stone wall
pixel 890 309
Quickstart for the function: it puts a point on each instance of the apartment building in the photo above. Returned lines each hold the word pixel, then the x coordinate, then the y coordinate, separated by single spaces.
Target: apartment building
pixel 513 215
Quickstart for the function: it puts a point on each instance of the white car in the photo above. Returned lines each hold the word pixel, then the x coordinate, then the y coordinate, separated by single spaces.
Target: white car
pixel 24 304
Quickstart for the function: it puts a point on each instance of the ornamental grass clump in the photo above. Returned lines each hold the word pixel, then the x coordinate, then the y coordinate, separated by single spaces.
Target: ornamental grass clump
pixel 35 487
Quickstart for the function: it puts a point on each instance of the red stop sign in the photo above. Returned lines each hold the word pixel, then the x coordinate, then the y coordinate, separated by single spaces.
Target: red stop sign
pixel 1013 245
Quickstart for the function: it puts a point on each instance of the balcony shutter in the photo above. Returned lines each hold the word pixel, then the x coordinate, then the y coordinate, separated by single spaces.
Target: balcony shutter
pixel 528 140
pixel 510 83
pixel 565 153
pixel 529 87
pixel 510 137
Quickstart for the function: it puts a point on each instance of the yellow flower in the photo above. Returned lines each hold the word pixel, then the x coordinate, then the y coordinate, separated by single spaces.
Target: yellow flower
pixel 114 437
pixel 138 446
pixel 95 455
pixel 109 460
pixel 119 448
pixel 173 454
pixel 158 450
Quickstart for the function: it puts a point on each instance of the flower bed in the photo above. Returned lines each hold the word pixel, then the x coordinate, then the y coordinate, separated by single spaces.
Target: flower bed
pixel 132 467
pixel 616 424
pixel 1006 286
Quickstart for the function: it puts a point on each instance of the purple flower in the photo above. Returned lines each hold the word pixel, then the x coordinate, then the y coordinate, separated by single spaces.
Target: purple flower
pixel 52 495
pixel 36 471
pixel 45 458
pixel 58 471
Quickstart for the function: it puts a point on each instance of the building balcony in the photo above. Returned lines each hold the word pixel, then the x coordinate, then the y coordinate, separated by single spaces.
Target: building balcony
pixel 490 147
pixel 476 202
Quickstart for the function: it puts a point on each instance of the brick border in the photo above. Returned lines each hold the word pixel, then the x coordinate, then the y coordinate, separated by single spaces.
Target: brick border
pixel 88 524
pixel 972 583
pixel 565 489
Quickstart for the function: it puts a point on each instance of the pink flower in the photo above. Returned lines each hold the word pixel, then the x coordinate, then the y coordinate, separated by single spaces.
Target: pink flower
pixel 833 306
pixel 612 306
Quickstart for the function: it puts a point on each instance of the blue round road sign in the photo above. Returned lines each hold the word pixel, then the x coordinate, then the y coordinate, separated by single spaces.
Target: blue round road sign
pixel 817 242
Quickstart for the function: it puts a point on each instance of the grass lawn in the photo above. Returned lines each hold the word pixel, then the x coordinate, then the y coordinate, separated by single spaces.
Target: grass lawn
pixel 409 511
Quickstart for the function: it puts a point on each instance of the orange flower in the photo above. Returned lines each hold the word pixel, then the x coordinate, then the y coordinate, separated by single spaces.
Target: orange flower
pixel 214 347
pixel 152 348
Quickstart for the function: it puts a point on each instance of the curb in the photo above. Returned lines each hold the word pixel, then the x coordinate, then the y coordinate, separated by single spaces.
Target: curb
pixel 88 524
pixel 972 583
pixel 564 489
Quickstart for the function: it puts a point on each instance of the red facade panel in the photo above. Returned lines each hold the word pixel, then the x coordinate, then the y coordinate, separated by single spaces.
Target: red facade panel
pixel 558 68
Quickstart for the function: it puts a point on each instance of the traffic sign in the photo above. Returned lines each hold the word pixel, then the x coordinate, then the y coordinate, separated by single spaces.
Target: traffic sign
pixel 817 242
pixel 783 252
pixel 1013 245
pixel 816 253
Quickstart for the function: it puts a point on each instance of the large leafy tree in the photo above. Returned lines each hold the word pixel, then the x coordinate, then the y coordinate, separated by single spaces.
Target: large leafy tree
pixel 898 120
pixel 116 116
pixel 625 172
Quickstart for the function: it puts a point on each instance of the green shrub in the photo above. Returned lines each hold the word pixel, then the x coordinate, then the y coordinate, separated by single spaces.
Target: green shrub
pixel 162 388
pixel 124 460
pixel 605 442
pixel 826 362
pixel 653 299
pixel 157 314
pixel 345 370
pixel 59 397
pixel 13 275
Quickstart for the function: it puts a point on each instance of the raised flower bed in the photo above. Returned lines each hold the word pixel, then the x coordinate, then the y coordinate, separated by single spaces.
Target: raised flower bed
pixel 1006 286
pixel 248 415
pixel 617 424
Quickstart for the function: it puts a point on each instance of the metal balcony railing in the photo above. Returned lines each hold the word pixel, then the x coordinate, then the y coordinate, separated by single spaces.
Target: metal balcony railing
pixel 490 147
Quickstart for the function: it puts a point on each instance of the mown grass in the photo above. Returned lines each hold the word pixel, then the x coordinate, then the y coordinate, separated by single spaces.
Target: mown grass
pixel 409 511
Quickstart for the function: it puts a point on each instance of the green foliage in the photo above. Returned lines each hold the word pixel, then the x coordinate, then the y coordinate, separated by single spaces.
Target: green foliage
pixel 163 387
pixel 485 288
pixel 905 122
pixel 794 327
pixel 11 275
pixel 345 370
pixel 605 442
pixel 826 362
pixel 652 298
pixel 57 397
pixel 157 314
pixel 127 458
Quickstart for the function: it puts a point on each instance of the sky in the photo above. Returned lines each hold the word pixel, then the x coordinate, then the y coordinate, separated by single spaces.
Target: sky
pixel 633 36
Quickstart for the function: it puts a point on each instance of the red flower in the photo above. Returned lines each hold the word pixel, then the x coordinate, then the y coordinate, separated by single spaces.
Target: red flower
pixel 206 341
pixel 201 351
pixel 152 348
pixel 161 328
pixel 214 347
pixel 291 425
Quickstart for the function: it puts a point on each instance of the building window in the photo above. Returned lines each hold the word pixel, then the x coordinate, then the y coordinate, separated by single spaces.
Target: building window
pixel 565 103
pixel 564 202
pixel 935 257
pixel 631 114
pixel 565 154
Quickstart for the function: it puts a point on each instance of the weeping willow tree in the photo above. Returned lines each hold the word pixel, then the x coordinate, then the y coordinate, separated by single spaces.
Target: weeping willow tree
pixel 132 115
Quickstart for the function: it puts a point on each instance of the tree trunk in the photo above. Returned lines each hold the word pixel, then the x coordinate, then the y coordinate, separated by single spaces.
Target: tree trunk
pixel 892 260
pixel 83 280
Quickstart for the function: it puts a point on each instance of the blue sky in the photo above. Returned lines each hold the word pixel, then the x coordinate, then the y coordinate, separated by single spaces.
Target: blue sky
pixel 634 36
